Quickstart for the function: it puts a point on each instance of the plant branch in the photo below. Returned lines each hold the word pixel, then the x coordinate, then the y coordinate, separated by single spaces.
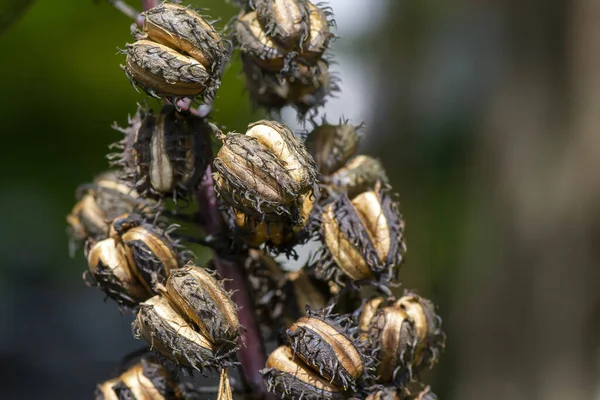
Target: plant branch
pixel 252 354
pixel 148 4
pixel 125 8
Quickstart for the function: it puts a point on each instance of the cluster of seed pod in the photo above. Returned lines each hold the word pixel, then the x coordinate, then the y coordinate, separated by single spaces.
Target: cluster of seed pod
pixel 322 358
pixel 273 191
pixel 282 43
pixel 176 54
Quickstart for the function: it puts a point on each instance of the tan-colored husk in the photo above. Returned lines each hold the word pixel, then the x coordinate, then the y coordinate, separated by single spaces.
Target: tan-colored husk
pixel 224 386
pixel 141 387
pixel 392 341
pixel 369 209
pixel 106 390
pixel 368 312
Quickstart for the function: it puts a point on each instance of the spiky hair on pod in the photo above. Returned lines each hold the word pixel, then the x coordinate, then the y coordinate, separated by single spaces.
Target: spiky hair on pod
pixel 330 345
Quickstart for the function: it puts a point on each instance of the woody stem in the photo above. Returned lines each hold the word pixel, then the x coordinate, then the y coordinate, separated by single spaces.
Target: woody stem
pixel 252 354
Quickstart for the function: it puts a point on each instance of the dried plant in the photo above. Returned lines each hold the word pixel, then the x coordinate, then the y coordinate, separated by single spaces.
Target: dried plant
pixel 264 192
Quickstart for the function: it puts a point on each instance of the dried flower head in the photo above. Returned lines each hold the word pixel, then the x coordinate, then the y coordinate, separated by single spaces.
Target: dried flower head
pixel 286 21
pixel 360 173
pixel 147 380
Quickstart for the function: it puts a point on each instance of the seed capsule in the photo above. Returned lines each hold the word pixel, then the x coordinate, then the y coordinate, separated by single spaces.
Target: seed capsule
pixel 151 253
pixel 161 71
pixel 169 334
pixel 430 337
pixel 289 378
pixel 332 145
pixel 363 238
pixel 163 154
pixel 184 30
pixel 266 89
pixel 105 391
pixel 393 332
pixel 319 34
pixel 110 268
pixel 359 174
pixel 286 21
pixel 366 315
pixel 204 301
pixel 256 45
pixel 264 171
pixel 324 344
pixel 147 380
pixel 99 202
pixel 307 96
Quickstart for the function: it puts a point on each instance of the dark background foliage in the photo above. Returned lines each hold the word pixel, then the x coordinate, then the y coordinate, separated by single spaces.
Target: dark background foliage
pixel 486 115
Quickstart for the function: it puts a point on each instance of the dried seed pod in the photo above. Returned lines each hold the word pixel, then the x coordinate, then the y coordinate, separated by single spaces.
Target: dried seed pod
pixel 363 238
pixel 105 391
pixel 286 21
pixel 110 268
pixel 319 34
pixel 332 145
pixel 308 291
pixel 184 30
pixel 225 392
pixel 256 45
pixel 151 253
pixel 430 337
pixel 164 154
pixel 393 333
pixel 148 380
pixel 327 344
pixel 359 174
pixel 163 72
pixel 367 313
pixel 169 334
pixel 99 202
pixel 290 378
pixel 204 301
pixel 306 95
pixel 255 179
pixel 266 89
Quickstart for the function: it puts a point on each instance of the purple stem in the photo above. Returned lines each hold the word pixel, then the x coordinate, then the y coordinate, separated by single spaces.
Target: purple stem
pixel 252 354
pixel 148 4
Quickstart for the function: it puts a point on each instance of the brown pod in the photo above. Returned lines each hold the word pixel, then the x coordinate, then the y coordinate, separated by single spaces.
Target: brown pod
pixel 290 378
pixel 319 34
pixel 327 346
pixel 363 237
pixel 184 30
pixel 163 72
pixel 168 333
pixel 393 333
pixel 428 328
pixel 266 89
pixel 204 301
pixel 264 172
pixel 110 268
pixel 105 391
pixel 332 145
pixel 311 87
pixel 163 154
pixel 147 380
pixel 367 313
pixel 361 173
pixel 256 45
pixel 151 253
pixel 286 21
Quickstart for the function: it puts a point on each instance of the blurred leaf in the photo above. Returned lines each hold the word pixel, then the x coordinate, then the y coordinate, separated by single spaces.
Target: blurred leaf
pixel 10 11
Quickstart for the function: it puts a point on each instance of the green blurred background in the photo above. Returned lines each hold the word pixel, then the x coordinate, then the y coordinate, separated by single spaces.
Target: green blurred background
pixel 485 113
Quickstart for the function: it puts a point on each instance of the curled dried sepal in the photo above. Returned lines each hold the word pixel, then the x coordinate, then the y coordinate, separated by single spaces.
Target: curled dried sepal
pixel 363 239
pixel 428 328
pixel 361 173
pixel 393 333
pixel 329 345
pixel 163 72
pixel 150 251
pixel 112 273
pixel 168 333
pixel 290 378
pixel 204 301
pixel 184 30
pixel 366 314
pixel 105 390
pixel 148 380
pixel 332 145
